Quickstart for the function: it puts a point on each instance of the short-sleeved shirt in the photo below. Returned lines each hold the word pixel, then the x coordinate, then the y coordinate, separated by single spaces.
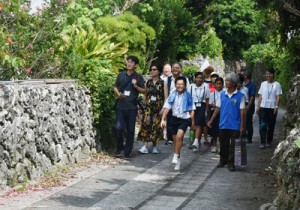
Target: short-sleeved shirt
pixel 199 93
pixel 124 85
pixel 269 93
pixel 245 91
pixel 214 97
pixel 177 107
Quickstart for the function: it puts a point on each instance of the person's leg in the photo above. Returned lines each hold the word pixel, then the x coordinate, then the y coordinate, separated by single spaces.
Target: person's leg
pixel 178 141
pixel 249 126
pixel 233 135
pixel 262 126
pixel 224 146
pixel 271 126
pixel 196 143
pixel 169 131
pixel 130 120
pixel 120 126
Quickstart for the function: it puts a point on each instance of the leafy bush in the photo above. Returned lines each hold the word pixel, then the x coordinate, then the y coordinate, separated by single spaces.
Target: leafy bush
pixel 190 71
pixel 272 56
pixel 210 45
pixel 131 30
pixel 94 60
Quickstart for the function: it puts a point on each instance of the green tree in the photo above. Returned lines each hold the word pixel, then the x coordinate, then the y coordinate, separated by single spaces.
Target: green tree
pixel 175 28
pixel 131 30
pixel 238 24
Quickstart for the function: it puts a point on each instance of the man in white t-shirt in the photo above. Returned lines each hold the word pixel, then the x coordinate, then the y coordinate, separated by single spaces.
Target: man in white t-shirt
pixel 267 108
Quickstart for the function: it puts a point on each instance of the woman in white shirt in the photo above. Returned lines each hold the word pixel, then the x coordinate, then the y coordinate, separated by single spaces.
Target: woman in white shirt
pixel 267 107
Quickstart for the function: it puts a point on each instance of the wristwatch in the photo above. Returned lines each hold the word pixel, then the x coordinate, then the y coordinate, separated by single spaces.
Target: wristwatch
pixel 276 107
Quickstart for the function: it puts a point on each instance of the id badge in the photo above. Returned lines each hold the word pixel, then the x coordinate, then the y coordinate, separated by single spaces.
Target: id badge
pixel 126 93
pixel 198 104
pixel 153 98
pixel 270 100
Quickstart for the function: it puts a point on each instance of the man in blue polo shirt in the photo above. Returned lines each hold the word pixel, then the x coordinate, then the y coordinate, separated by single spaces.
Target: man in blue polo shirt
pixel 250 106
pixel 231 106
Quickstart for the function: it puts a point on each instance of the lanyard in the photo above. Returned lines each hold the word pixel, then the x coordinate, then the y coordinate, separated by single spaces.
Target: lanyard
pixel 198 96
pixel 269 92
pixel 128 82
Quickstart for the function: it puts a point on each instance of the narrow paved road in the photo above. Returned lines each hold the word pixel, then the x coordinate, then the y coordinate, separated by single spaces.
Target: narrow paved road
pixel 149 182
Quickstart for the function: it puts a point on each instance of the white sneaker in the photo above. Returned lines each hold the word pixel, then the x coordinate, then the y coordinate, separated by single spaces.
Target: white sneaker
pixel 195 147
pixel 143 150
pixel 214 149
pixel 154 150
pixel 177 165
pixel 175 159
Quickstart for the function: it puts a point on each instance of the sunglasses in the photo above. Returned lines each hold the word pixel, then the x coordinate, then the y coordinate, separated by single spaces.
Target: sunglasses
pixel 153 69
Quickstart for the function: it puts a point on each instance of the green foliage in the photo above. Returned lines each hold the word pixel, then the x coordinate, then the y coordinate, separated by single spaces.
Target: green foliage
pixel 190 71
pixel 297 142
pixel 237 23
pixel 272 55
pixel 210 45
pixel 175 27
pixel 131 30
pixel 94 60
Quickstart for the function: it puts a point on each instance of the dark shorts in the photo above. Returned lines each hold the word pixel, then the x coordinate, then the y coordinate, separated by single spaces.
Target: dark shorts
pixel 178 123
pixel 200 115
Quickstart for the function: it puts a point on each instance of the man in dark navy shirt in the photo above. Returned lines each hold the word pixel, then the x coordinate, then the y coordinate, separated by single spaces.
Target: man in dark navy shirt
pixel 127 87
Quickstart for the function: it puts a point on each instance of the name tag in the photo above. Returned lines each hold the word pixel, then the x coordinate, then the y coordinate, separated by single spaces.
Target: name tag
pixel 126 93
pixel 270 100
pixel 153 98
pixel 198 104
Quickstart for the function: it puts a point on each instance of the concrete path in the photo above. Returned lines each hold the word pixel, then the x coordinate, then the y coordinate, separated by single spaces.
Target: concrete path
pixel 149 182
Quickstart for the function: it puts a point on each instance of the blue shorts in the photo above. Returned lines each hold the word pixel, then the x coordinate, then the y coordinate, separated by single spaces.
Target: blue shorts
pixel 179 123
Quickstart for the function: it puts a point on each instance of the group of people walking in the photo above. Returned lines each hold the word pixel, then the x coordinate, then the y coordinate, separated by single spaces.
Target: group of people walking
pixel 205 106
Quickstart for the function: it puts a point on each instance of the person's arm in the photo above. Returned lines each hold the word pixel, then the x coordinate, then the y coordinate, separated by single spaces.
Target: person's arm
pixel 207 106
pixel 192 114
pixel 164 118
pixel 165 89
pixel 242 128
pixel 216 112
pixel 118 93
pixel 139 89
pixel 258 103
pixel 251 101
pixel 135 83
pixel 277 104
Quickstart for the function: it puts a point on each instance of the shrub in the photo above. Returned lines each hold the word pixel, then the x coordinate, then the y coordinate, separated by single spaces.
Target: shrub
pixel 94 60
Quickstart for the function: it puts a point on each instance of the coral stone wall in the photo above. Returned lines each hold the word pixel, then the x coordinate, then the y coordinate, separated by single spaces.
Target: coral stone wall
pixel 287 155
pixel 43 124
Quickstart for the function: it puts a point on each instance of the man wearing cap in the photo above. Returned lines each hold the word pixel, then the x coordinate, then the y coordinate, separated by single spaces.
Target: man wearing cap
pixel 231 106
pixel 267 108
